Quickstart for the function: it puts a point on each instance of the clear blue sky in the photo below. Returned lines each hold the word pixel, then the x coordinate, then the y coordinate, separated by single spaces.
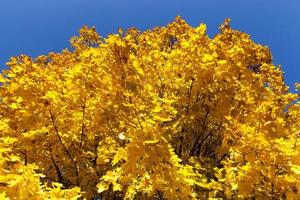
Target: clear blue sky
pixel 35 27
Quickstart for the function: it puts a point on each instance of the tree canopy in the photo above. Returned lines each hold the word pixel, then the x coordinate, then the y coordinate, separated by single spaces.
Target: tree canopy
pixel 167 113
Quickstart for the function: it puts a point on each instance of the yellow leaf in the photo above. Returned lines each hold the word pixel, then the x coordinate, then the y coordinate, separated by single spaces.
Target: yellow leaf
pixel 295 169
pixel 138 68
pixel 156 109
pixel 2 79
pixel 151 141
pixel 102 187
pixel 14 106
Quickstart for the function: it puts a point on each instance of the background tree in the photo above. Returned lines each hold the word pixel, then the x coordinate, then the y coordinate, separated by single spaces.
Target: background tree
pixel 167 113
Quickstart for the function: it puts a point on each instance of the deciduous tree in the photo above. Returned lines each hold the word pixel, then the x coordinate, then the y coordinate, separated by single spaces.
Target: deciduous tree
pixel 167 113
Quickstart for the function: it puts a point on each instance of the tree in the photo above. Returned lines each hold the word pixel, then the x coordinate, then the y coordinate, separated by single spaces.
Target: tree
pixel 167 113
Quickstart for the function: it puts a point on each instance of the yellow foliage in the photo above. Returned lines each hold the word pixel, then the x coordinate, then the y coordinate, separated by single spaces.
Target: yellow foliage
pixel 167 113
pixel 19 181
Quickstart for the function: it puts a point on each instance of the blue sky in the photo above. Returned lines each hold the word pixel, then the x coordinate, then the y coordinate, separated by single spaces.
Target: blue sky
pixel 35 27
